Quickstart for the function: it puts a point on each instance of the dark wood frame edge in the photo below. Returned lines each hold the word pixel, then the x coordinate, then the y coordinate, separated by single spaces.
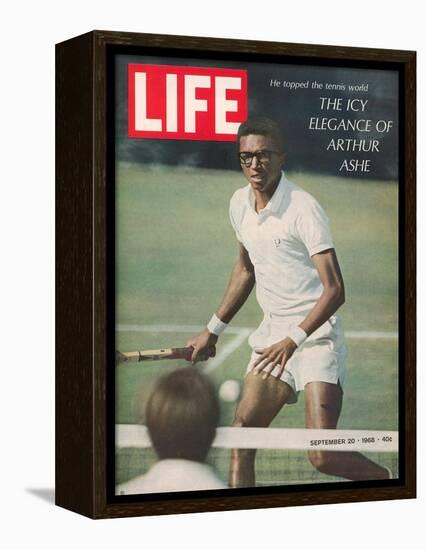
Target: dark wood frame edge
pixel 81 275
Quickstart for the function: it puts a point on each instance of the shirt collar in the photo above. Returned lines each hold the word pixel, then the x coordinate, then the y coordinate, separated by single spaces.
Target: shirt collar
pixel 275 202
pixel 179 465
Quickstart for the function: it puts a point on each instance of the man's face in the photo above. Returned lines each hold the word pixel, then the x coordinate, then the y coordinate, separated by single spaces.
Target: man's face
pixel 262 171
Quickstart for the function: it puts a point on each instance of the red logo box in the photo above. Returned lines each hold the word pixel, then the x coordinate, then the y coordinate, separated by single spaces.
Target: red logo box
pixel 196 103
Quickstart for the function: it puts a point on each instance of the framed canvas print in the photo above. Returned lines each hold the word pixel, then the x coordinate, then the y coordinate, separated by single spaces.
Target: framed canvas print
pixel 235 239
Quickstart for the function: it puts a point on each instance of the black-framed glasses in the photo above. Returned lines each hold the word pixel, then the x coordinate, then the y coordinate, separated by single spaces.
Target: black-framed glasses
pixel 263 156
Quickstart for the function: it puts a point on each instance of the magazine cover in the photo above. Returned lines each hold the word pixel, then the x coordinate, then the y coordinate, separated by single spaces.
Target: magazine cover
pixel 256 274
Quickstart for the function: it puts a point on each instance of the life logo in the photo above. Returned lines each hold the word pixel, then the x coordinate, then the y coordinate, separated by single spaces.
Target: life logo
pixel 194 103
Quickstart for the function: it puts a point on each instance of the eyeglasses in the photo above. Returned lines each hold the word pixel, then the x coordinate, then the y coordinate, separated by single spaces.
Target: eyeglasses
pixel 263 157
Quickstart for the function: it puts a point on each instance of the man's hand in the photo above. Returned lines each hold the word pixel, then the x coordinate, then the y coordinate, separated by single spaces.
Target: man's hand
pixel 201 343
pixel 273 356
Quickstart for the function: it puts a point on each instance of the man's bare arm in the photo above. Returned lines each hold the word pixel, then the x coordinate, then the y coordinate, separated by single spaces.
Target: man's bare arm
pixel 332 297
pixel 240 285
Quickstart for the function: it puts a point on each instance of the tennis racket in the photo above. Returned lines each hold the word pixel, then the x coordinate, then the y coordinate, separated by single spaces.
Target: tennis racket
pixel 161 354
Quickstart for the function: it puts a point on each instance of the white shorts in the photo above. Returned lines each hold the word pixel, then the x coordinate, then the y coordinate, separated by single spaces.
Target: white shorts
pixel 321 358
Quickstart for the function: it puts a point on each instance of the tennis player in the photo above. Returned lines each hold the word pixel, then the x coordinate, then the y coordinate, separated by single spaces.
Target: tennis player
pixel 182 414
pixel 286 249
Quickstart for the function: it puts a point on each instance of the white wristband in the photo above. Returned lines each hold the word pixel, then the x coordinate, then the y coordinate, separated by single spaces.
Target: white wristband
pixel 298 335
pixel 216 326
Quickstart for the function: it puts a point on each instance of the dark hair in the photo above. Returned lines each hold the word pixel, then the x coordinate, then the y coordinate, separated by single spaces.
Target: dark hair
pixel 182 414
pixel 262 126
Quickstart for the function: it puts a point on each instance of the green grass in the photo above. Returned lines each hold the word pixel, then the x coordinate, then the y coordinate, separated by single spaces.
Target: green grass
pixel 175 248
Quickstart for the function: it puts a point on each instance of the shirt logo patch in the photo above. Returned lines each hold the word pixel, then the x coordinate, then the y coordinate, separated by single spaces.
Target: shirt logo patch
pixel 277 242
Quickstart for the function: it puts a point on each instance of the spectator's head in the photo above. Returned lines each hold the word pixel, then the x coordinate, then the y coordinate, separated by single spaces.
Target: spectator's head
pixel 182 414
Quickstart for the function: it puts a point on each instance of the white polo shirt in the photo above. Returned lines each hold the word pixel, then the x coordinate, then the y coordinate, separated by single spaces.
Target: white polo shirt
pixel 171 475
pixel 280 240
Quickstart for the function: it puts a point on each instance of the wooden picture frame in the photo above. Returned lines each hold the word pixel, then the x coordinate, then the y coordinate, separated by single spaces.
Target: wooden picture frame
pixel 85 260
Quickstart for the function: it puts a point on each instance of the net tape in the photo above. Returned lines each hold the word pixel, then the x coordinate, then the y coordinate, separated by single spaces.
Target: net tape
pixel 133 435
